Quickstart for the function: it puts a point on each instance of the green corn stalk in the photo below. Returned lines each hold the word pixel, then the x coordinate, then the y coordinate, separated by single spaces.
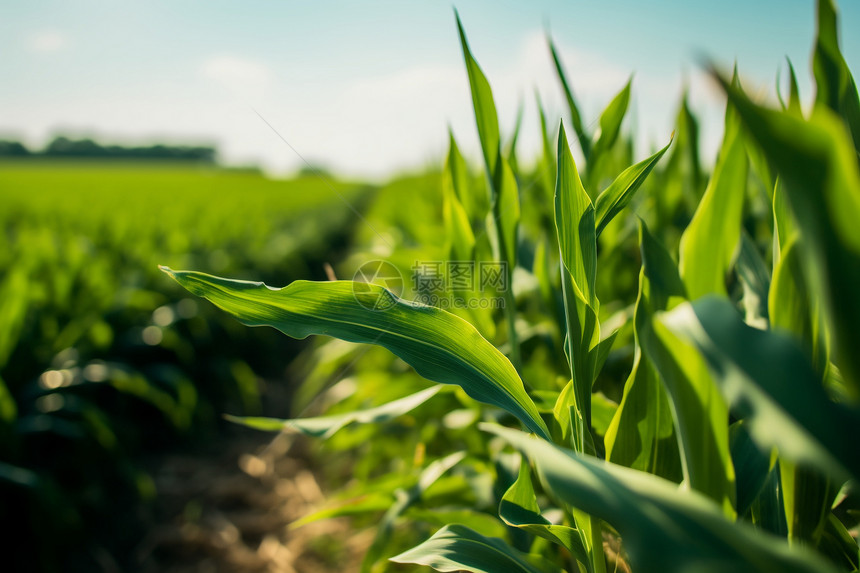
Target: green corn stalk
pixel 728 448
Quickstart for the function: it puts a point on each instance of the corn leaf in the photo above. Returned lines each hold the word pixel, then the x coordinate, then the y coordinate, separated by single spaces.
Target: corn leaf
pixel 642 434
pixel 700 413
pixel 460 180
pixel 404 500
pixel 456 217
pixel 618 195
pixel 663 528
pixel 438 345
pixel 793 104
pixel 480 522
pixel 519 508
pixel 817 164
pixel 507 214
pixel 768 381
pixel 835 85
pixel 575 223
pixel 483 104
pixel 793 310
pixel 367 503
pixel 512 144
pixel 575 117
pixel 547 165
pixel 610 120
pixel 458 548
pixel 752 465
pixel 709 242
pixel 807 497
pixel 755 278
pixel 326 426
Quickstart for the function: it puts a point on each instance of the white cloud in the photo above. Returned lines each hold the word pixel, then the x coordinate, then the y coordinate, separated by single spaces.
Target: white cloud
pixel 47 41
pixel 245 78
pixel 373 125
pixel 399 120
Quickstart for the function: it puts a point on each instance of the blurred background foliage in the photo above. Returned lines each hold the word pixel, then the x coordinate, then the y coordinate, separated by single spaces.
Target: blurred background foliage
pixel 103 362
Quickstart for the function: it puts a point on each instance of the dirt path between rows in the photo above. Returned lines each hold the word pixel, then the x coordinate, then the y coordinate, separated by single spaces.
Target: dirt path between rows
pixel 229 511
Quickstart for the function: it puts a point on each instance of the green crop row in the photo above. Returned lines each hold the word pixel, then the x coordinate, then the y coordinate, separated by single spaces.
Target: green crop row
pixel 99 364
pixel 677 348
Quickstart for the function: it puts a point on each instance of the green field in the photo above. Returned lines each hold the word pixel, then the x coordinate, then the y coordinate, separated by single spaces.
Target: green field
pixel 101 359
pixel 601 359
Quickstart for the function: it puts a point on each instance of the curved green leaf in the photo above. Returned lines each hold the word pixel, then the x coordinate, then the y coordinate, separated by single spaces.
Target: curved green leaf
pixel 455 185
pixel 835 85
pixel 709 242
pixel 482 102
pixel 575 117
pixel 610 125
pixel 793 309
pixel 367 503
pixel 614 198
pixel 700 412
pixel 767 379
pixel 437 344
pixel 642 433
pixel 519 508
pixel 512 144
pixel 326 426
pixel 458 548
pixel 507 214
pixel 404 499
pixel 664 528
pixel 817 164
pixel 755 278
pixel 793 91
pixel 577 239
pixel 574 222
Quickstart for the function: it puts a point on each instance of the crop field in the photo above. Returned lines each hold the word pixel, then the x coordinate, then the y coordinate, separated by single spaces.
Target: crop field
pixel 101 363
pixel 596 360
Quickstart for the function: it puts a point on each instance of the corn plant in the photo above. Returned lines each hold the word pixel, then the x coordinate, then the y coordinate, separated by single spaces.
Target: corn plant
pixel 729 447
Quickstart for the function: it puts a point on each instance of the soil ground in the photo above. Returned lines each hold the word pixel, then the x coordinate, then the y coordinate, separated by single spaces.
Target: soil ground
pixel 230 510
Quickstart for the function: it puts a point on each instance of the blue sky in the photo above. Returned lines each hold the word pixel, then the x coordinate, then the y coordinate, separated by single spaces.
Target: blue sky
pixel 369 88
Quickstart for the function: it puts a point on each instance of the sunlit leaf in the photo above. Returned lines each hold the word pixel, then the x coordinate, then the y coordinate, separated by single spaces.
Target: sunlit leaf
pixel 835 85
pixel 709 242
pixel 700 413
pixel 404 499
pixel 519 508
pixel 817 164
pixel 455 185
pixel 663 528
pixel 458 548
pixel 440 346
pixel 618 195
pixel 575 223
pixel 575 117
pixel 326 426
pixel 610 125
pixel 767 380
pixel 755 278
pixel 482 102
pixel 642 434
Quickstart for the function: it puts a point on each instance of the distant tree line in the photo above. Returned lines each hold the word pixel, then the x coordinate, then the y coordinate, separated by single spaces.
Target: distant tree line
pixel 87 148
